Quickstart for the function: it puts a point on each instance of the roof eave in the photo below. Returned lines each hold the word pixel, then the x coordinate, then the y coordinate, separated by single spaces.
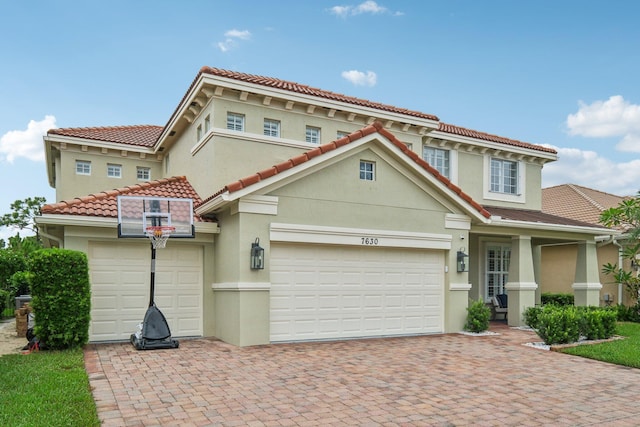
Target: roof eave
pixel 527 225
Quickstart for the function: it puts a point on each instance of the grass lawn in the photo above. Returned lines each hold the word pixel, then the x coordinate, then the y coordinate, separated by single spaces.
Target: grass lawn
pixel 621 352
pixel 47 388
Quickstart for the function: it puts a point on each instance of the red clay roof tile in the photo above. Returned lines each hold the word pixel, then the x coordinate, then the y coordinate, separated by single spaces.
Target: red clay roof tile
pixel 104 204
pixel 140 135
pixel 457 130
pixel 375 127
pixel 308 90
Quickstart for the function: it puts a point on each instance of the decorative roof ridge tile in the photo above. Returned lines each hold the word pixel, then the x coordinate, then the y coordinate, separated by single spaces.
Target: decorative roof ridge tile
pixel 459 130
pixel 330 146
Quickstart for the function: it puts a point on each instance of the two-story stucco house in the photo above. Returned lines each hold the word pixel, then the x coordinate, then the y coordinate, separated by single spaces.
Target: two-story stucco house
pixel 375 220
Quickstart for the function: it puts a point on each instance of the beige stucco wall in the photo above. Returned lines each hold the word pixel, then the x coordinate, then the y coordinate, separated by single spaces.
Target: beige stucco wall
pixel 70 185
pixel 558 269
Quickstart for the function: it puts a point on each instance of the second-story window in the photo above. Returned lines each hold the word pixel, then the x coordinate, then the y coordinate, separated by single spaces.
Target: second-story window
pixel 438 158
pixel 504 176
pixel 199 133
pixel 114 171
pixel 83 167
pixel 235 122
pixel 312 135
pixel 207 123
pixel 272 128
pixel 143 174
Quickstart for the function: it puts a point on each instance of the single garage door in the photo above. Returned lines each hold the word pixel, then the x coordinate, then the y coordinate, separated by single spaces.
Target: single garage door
pixel 333 292
pixel 120 274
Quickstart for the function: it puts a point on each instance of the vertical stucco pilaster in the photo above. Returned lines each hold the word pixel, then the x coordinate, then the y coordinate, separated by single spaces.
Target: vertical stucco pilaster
pixel 456 303
pixel 521 286
pixel 537 261
pixel 587 284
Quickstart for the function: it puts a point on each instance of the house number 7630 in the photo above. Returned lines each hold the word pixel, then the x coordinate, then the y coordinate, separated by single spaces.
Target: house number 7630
pixel 371 241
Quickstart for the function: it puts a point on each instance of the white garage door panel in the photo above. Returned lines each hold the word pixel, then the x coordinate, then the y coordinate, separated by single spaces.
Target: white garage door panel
pixel 324 292
pixel 120 275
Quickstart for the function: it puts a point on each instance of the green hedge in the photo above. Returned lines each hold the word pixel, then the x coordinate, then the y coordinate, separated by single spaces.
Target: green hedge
pixel 11 262
pixel 478 316
pixel 566 324
pixel 61 297
pixel 556 299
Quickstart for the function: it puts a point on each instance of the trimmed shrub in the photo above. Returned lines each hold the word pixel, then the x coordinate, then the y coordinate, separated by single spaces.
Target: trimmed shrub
pixel 558 325
pixel 557 299
pixel 20 283
pixel 596 323
pixel 478 317
pixel 531 316
pixel 627 314
pixel 61 297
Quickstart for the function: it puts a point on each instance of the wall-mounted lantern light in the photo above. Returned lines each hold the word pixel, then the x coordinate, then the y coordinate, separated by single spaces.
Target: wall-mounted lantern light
pixel 257 256
pixel 462 261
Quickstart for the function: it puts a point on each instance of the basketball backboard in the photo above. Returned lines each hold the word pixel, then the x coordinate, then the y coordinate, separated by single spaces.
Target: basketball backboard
pixel 136 213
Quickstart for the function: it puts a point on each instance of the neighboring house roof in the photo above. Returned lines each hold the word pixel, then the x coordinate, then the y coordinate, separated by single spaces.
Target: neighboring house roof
pixel 325 148
pixel 577 202
pixel 528 215
pixel 457 130
pixel 139 135
pixel 104 204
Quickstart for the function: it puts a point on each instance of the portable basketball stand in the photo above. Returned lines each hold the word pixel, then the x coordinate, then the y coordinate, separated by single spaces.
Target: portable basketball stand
pixel 154 332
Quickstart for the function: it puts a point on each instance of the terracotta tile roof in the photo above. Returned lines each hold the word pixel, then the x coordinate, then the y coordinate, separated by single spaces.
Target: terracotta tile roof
pixel 104 204
pixel 139 135
pixel 527 215
pixel 577 202
pixel 308 90
pixel 321 149
pixel 457 130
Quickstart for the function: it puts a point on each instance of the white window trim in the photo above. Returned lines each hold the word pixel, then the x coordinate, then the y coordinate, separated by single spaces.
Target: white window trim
pixel 147 169
pixel 453 162
pixel 279 126
pixel 504 197
pixel 373 170
pixel 84 162
pixel 239 115
pixel 115 167
pixel 319 135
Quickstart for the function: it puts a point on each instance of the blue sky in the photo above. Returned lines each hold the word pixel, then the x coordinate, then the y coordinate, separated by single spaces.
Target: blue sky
pixel 558 73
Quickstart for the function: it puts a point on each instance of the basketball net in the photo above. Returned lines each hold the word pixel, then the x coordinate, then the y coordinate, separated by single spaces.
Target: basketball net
pixel 158 235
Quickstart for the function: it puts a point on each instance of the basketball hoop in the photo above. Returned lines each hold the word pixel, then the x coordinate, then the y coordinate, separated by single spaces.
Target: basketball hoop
pixel 158 235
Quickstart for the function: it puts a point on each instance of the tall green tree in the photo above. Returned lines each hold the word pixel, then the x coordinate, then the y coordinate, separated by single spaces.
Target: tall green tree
pixel 21 218
pixel 626 217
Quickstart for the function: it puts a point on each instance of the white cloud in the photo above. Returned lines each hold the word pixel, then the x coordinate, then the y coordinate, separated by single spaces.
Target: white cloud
pixel 369 6
pixel 614 117
pixel 589 169
pixel 231 40
pixel 360 78
pixel 26 143
pixel 237 34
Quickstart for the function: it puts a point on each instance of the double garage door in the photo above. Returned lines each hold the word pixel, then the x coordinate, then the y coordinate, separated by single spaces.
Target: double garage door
pixel 333 292
pixel 120 274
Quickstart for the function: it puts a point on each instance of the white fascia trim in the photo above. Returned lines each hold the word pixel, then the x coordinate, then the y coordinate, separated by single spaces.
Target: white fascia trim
pixel 98 144
pixel 241 286
pixel 457 222
pixel 315 100
pixel 299 233
pixel 89 221
pixel 79 220
pixel 460 287
pixel 263 205
pixel 499 222
pixel 587 286
pixel 254 137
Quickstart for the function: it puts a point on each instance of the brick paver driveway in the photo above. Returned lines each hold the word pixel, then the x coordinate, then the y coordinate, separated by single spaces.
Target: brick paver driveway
pixel 444 380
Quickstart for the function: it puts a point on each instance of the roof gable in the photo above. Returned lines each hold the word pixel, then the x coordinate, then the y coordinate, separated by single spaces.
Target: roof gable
pixel 104 204
pixel 251 182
